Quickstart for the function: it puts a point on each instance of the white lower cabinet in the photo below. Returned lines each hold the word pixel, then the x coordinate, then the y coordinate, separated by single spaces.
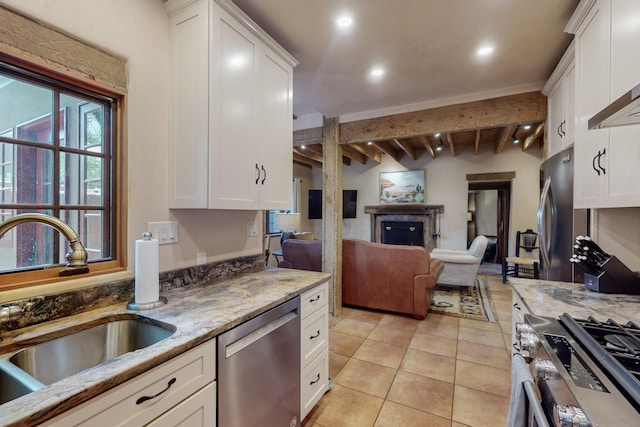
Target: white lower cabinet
pixel 180 391
pixel 314 347
pixel 517 316
pixel 195 411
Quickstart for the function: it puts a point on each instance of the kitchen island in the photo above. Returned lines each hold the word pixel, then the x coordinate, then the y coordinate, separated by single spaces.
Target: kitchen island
pixel 198 313
pixel 551 299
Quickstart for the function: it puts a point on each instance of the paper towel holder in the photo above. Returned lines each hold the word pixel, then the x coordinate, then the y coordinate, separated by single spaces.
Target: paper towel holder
pixel 133 305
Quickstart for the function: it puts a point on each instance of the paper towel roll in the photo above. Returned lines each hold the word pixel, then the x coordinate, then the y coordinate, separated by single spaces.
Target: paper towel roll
pixel 147 272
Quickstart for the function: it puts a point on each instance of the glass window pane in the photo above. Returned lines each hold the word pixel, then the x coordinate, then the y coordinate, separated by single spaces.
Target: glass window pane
pixel 89 226
pixel 80 179
pixel 34 175
pixel 27 108
pixel 28 246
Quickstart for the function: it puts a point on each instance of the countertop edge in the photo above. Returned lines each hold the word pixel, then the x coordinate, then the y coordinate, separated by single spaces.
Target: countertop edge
pixel 260 291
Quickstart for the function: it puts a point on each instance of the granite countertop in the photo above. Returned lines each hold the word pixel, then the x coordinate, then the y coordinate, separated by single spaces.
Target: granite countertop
pixel 551 299
pixel 199 314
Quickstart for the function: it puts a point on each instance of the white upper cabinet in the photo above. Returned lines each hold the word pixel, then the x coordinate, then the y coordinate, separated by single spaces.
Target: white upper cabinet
pixel 231 110
pixel 624 181
pixel 607 160
pixel 561 117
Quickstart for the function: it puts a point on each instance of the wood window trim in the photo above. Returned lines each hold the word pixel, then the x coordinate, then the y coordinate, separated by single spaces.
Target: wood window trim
pixel 11 281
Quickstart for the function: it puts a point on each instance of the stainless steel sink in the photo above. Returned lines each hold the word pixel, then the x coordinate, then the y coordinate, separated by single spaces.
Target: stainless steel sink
pixel 57 358
pixel 11 387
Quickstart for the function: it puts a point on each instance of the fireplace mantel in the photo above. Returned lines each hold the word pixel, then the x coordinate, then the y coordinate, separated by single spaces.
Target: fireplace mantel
pixel 405 212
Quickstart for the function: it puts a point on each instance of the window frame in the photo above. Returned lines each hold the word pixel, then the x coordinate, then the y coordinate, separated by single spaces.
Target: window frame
pixel 15 280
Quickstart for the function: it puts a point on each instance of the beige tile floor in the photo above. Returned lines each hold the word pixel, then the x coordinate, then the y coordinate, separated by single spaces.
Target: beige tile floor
pixel 390 370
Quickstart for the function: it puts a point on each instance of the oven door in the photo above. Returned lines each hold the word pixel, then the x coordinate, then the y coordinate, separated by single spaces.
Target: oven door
pixel 525 409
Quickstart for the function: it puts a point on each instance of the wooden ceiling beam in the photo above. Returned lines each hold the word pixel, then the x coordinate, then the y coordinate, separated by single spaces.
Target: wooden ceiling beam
pixel 506 110
pixel 476 144
pixel 505 136
pixel 427 142
pixel 386 147
pixel 528 141
pixel 370 151
pixel 452 146
pixel 307 136
pixel 354 154
pixel 308 153
pixel 407 148
pixel 300 159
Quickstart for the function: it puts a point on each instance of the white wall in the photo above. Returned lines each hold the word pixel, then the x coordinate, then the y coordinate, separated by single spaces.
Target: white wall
pixel 446 184
pixel 139 31
pixel 617 231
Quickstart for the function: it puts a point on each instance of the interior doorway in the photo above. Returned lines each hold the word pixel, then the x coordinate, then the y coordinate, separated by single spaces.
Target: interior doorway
pixel 489 212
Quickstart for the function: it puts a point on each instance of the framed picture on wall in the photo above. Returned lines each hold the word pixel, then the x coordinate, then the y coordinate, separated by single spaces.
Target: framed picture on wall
pixel 402 187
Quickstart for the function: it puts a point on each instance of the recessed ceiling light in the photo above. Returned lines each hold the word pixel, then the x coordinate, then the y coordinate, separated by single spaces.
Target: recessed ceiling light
pixel 369 143
pixel 485 50
pixel 344 21
pixel 437 134
pixel 303 146
pixel 516 141
pixel 527 127
pixel 377 72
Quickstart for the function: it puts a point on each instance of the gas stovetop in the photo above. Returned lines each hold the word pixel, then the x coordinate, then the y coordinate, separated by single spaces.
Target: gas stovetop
pixel 615 348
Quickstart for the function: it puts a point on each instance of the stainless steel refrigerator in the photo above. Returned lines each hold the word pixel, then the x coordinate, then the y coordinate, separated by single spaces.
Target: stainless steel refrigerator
pixel 558 222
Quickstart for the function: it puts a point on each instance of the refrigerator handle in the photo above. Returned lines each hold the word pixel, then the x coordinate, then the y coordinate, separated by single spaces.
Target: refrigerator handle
pixel 542 232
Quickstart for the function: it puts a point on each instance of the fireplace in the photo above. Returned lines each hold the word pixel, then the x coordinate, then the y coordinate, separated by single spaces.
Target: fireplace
pixel 426 215
pixel 408 233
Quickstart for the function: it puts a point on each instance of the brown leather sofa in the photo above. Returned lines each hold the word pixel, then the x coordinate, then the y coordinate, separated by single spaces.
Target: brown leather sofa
pixel 302 254
pixel 393 278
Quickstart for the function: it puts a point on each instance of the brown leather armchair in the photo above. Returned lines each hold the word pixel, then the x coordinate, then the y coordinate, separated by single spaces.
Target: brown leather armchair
pixel 388 277
pixel 302 254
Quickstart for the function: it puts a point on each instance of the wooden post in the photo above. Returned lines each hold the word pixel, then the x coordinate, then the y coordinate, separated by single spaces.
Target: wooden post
pixel 332 210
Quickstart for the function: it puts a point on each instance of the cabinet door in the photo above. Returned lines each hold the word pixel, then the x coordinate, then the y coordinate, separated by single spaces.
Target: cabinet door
pixel 556 117
pixel 188 114
pixel 275 132
pixel 198 410
pixel 624 181
pixel 592 62
pixel 232 167
pixel 569 86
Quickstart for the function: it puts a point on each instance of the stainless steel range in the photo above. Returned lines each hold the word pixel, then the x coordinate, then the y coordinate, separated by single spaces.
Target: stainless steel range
pixel 587 373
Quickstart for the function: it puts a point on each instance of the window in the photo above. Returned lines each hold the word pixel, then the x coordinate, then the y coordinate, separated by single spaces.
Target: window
pixel 58 145
pixel 270 216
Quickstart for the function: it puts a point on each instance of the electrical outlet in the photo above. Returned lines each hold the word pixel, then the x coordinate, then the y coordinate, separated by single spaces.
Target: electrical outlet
pixel 201 258
pixel 251 229
pixel 164 231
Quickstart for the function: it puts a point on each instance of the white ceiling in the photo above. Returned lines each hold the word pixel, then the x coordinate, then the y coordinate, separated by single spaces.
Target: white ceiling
pixel 427 47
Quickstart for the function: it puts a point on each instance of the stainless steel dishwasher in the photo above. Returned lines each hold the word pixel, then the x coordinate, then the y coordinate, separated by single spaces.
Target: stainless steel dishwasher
pixel 259 370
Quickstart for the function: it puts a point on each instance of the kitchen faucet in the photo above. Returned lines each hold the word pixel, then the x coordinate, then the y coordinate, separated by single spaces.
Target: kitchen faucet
pixel 76 258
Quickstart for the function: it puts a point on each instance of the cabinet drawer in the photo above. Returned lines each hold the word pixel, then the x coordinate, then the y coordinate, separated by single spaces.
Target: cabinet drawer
pixel 314 383
pixel 180 377
pixel 313 299
pixel 314 336
pixel 198 410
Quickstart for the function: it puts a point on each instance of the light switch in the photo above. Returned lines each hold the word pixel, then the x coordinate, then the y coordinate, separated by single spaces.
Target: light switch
pixel 164 231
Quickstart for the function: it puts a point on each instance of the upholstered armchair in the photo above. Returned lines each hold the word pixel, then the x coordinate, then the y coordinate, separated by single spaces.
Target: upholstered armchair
pixel 461 266
pixel 393 278
pixel 302 254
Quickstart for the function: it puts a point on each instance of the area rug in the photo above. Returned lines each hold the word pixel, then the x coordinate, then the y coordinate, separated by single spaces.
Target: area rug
pixel 470 302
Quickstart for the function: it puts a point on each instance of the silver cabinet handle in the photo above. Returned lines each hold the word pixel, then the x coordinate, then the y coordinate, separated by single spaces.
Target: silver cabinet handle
pixel 145 398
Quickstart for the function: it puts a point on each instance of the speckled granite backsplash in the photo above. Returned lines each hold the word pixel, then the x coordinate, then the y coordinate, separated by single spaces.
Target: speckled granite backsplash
pixel 50 307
